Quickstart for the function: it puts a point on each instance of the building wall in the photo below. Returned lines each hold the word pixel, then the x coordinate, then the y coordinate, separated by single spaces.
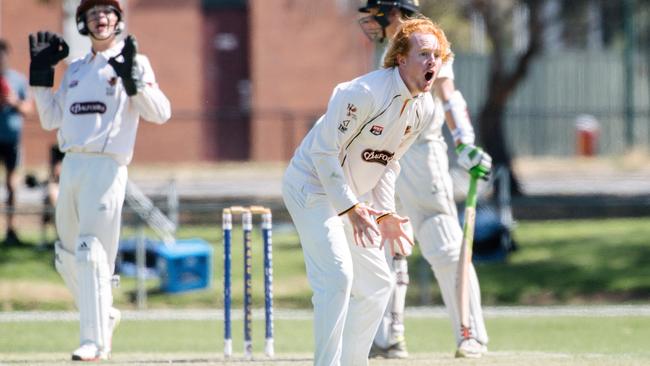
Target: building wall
pixel 300 51
pixel 169 33
pixel 227 81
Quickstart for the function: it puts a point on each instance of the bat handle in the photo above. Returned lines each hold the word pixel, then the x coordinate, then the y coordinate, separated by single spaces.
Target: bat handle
pixel 470 201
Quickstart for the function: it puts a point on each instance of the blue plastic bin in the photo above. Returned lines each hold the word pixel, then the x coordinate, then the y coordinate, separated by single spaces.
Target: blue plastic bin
pixel 184 266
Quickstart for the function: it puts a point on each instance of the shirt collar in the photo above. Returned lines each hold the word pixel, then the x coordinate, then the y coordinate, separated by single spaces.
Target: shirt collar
pixel 111 52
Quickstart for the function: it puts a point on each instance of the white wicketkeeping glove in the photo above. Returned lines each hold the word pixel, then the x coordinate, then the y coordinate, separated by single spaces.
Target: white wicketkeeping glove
pixel 473 159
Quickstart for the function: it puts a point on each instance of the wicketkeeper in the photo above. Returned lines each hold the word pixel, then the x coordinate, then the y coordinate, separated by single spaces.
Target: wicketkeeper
pixel 96 111
pixel 425 195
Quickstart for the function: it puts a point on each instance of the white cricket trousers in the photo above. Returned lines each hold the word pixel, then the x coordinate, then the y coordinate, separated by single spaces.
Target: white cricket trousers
pixel 351 284
pixel 91 195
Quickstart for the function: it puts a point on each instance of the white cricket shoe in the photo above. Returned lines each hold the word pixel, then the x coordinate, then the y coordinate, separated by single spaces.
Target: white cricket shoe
pixel 89 352
pixel 394 351
pixel 470 348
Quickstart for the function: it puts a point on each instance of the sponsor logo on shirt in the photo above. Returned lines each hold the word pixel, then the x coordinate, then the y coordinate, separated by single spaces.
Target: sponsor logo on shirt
pixel 373 156
pixel 343 126
pixel 376 130
pixel 88 108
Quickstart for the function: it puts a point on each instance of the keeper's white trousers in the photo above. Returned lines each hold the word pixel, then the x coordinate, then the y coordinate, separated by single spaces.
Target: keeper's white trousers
pixel 351 284
pixel 91 195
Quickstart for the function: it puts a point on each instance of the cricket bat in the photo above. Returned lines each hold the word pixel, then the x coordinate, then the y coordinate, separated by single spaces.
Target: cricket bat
pixel 465 260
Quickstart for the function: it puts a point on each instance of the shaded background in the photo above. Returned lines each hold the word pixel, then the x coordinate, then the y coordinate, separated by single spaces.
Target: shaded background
pixel 247 79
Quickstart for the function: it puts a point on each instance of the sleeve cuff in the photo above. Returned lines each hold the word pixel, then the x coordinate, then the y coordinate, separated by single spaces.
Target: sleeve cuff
pixel 349 209
pixel 381 217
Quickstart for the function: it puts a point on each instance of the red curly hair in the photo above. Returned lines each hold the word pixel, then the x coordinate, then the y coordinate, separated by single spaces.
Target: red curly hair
pixel 400 45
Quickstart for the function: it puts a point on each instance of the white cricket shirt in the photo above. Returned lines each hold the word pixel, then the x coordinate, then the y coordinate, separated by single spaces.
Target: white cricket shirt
pixel 353 149
pixel 92 111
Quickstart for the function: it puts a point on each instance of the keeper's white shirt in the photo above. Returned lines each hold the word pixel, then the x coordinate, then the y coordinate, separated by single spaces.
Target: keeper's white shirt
pixel 93 113
pixel 353 149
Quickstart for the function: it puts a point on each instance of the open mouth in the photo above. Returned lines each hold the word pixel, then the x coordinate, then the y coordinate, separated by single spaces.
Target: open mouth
pixel 429 75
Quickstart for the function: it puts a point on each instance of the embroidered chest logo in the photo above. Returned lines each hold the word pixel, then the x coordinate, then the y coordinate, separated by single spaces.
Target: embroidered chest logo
pixel 352 110
pixel 376 130
pixel 343 126
pixel 352 114
pixel 377 156
pixel 88 108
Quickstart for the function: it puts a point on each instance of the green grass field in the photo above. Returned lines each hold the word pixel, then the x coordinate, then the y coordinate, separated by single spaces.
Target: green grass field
pixel 557 263
pixel 540 340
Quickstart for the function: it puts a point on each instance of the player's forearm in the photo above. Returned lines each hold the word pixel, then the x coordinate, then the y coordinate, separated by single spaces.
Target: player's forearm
pixel 384 191
pixel 456 113
pixel 49 111
pixel 333 180
pixel 152 104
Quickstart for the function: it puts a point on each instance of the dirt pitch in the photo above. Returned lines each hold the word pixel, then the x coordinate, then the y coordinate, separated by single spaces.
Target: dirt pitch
pixel 420 359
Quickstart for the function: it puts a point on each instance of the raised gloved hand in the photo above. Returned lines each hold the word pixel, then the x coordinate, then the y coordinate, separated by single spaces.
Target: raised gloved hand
pixel 126 67
pixel 46 49
pixel 476 161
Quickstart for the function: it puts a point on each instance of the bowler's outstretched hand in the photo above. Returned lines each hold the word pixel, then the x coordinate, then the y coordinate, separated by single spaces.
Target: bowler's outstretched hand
pixel 394 235
pixel 363 224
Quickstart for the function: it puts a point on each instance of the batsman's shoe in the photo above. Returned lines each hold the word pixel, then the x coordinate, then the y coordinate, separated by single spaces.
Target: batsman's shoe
pixel 398 350
pixel 89 352
pixel 377 351
pixel 470 348
pixel 394 351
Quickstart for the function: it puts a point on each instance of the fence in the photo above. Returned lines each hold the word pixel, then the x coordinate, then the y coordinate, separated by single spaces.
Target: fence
pixel 541 115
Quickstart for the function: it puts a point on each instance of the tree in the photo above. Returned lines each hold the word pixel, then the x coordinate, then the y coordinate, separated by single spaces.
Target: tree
pixel 503 81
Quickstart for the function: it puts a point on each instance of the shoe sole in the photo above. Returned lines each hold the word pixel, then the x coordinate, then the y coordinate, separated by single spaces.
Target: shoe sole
pixel 460 354
pixel 79 358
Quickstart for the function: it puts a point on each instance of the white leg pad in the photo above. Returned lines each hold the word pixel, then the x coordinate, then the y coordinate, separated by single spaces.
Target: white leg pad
pixel 391 327
pixel 398 299
pixel 65 263
pixel 440 239
pixel 95 297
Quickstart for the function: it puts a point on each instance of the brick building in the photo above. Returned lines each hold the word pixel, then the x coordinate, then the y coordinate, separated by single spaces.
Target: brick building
pixel 246 79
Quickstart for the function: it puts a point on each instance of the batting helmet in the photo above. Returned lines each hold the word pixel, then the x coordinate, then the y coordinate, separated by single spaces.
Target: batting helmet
pixel 409 7
pixel 86 5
